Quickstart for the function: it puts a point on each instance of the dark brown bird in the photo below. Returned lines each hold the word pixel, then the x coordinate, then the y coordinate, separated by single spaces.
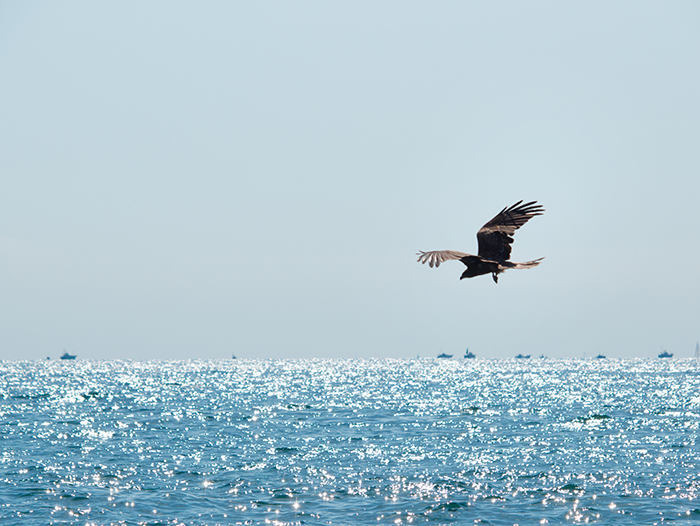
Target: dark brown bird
pixel 494 239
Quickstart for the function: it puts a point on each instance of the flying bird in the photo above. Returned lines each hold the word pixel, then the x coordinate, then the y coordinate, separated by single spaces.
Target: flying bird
pixel 494 239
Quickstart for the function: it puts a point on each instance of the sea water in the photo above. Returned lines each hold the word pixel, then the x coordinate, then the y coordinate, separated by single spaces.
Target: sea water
pixel 354 442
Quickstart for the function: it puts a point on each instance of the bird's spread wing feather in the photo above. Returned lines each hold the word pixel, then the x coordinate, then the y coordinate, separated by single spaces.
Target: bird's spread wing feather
pixel 496 236
pixel 436 257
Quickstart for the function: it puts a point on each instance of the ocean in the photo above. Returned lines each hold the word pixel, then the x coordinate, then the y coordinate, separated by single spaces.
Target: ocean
pixel 350 442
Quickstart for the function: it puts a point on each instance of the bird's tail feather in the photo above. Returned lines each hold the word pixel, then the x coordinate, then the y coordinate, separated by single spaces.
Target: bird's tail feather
pixel 529 264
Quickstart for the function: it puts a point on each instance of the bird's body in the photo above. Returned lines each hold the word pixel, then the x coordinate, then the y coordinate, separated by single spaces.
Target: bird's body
pixel 494 239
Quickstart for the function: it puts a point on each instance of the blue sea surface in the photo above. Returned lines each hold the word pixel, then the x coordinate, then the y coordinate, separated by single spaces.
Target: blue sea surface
pixel 354 442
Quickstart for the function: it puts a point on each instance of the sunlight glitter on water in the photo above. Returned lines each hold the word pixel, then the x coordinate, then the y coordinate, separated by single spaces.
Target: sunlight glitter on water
pixel 350 441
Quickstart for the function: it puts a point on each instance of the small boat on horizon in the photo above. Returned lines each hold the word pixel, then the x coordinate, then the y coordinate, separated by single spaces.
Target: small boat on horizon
pixel 469 354
pixel 665 354
pixel 523 356
pixel 600 357
pixel 444 355
pixel 67 356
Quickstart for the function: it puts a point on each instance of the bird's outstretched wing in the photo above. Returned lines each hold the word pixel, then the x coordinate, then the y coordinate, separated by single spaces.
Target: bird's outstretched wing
pixel 496 236
pixel 436 257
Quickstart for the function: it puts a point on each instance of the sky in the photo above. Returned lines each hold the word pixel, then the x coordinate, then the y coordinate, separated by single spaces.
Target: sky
pixel 197 180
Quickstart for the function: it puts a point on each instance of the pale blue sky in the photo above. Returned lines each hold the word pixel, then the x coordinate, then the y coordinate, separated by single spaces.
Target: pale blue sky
pixel 202 179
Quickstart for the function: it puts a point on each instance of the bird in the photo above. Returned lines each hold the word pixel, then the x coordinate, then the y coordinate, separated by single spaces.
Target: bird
pixel 494 239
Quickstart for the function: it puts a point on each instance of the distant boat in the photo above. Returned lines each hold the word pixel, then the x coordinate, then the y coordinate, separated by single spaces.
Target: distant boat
pixel 443 355
pixel 522 356
pixel 666 355
pixel 233 357
pixel 469 354
pixel 67 356
pixel 600 357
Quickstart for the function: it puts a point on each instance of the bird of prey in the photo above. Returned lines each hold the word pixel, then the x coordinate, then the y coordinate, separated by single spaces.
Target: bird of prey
pixel 494 239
